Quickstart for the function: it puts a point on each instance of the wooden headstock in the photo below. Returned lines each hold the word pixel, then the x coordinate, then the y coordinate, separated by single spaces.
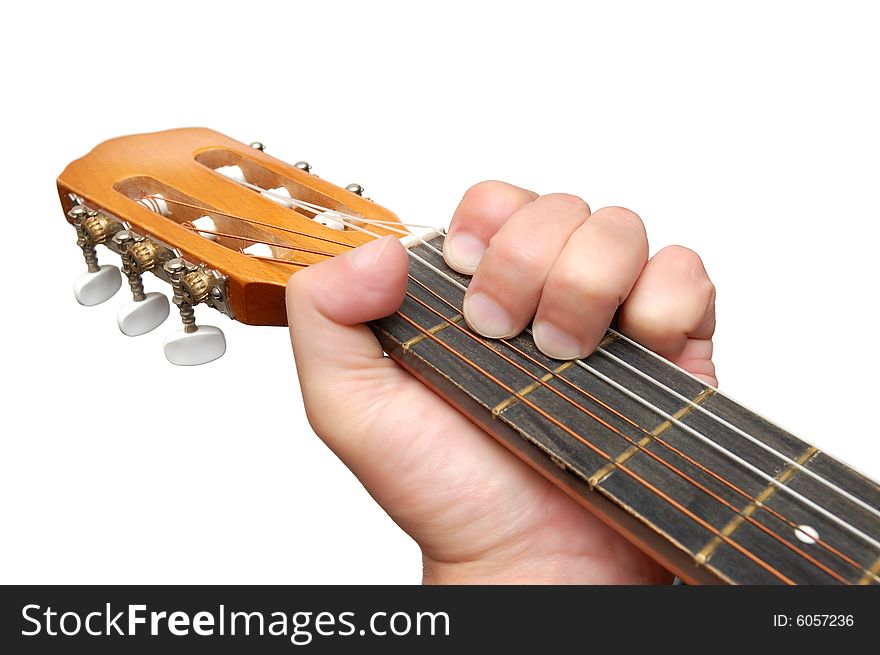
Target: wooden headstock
pixel 100 194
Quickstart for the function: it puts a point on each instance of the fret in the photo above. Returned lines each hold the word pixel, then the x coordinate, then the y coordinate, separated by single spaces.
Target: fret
pixel 709 549
pixel 609 468
pixel 872 575
pixel 442 325
pixel 654 449
pixel 504 404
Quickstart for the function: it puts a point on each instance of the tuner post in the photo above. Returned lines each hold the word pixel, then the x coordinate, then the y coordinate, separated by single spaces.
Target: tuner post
pixel 98 283
pixel 76 216
pixel 123 240
pixel 176 269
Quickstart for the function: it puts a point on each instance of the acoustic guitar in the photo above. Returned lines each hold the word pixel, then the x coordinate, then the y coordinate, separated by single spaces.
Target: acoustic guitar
pixel 713 491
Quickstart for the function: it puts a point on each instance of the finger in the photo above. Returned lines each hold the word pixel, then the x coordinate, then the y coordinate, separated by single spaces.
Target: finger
pixel 671 310
pixel 326 306
pixel 589 280
pixel 482 211
pixel 505 290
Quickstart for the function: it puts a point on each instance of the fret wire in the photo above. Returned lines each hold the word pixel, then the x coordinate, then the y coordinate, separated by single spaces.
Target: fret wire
pixel 520 395
pixel 525 401
pixel 579 362
pixel 647 433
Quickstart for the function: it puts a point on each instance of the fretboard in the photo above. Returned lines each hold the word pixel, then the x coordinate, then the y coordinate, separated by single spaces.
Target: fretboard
pixel 710 489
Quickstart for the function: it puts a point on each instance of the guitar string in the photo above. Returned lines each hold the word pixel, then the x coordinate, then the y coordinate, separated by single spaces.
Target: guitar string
pixel 644 430
pixel 346 218
pixel 188 225
pixel 630 440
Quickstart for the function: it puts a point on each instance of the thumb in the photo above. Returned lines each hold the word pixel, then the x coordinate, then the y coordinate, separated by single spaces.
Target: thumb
pixel 338 359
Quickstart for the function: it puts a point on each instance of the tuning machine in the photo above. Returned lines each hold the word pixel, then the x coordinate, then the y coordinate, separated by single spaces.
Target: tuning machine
pixel 145 311
pixel 99 283
pixel 193 344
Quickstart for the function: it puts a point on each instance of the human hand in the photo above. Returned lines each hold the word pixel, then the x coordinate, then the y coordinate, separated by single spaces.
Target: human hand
pixel 479 514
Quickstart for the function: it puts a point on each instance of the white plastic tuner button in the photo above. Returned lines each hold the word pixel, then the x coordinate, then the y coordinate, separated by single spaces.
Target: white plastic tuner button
pixel 193 348
pixel 137 318
pixel 94 288
pixel 280 195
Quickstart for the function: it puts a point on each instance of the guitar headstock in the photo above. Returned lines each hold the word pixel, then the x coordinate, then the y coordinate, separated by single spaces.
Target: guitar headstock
pixel 222 222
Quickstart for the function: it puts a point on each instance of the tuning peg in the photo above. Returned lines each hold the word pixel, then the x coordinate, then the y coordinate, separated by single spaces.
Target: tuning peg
pixel 98 283
pixel 355 188
pixel 303 166
pixel 258 145
pixel 146 311
pixel 138 317
pixel 194 344
pixel 201 346
pixel 95 287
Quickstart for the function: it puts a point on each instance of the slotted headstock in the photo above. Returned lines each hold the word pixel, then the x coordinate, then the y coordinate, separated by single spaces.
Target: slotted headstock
pixel 124 183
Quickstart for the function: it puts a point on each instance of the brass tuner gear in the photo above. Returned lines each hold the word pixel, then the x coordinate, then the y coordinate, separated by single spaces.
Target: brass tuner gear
pixel 98 228
pixel 142 256
pixel 195 287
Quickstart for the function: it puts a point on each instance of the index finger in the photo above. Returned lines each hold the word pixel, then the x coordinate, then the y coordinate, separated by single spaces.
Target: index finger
pixel 482 211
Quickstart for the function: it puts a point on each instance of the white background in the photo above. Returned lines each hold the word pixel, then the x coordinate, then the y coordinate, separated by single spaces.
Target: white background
pixel 749 134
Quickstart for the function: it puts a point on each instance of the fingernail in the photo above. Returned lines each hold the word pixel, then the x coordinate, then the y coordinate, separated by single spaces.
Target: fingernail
pixel 555 343
pixel 487 317
pixel 464 252
pixel 367 255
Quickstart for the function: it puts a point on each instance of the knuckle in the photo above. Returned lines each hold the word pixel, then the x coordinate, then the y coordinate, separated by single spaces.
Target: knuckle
pixel 623 217
pixel 573 202
pixel 485 190
pixel 515 255
pixel 572 282
pixel 689 265
pixel 296 287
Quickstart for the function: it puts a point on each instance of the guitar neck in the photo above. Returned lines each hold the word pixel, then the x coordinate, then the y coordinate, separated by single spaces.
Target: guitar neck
pixel 710 489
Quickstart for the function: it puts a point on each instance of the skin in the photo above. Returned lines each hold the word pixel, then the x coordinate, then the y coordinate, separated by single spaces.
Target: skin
pixel 479 514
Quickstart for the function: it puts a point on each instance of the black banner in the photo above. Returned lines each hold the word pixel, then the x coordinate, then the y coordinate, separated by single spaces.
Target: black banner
pixel 114 619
